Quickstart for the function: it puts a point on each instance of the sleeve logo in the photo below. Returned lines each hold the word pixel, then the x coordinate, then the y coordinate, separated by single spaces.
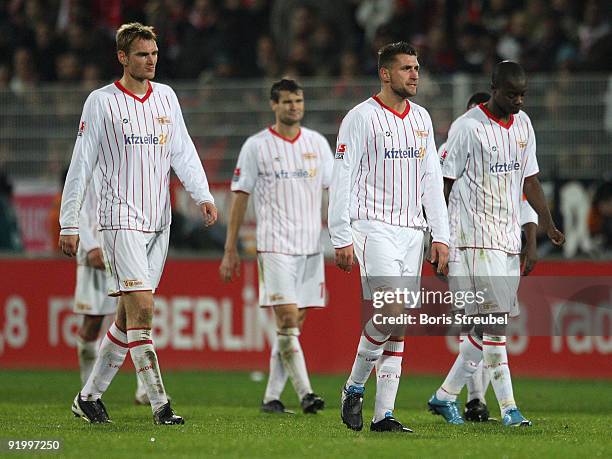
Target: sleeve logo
pixel 340 151
pixel 236 176
pixel 81 129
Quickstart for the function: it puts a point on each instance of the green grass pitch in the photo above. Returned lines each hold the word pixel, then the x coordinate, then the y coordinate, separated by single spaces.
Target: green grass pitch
pixel 571 419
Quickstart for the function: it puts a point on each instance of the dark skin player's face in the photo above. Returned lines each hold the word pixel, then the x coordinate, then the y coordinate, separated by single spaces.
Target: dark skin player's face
pixel 510 96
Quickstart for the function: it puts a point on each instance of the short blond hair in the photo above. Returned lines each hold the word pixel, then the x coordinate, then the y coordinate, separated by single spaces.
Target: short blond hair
pixel 127 33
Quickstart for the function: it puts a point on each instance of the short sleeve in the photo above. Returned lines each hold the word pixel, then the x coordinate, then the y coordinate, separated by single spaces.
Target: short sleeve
pixel 531 162
pixel 246 171
pixel 457 150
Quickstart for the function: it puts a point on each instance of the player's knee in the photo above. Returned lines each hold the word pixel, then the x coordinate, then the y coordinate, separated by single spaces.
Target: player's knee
pixel 288 321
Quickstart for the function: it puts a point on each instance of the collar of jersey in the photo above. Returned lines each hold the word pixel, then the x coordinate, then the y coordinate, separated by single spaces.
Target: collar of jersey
pixel 131 94
pixel 496 119
pixel 286 139
pixel 395 112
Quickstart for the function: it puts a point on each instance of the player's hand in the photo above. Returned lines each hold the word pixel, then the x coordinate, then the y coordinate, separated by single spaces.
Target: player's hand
pixel 69 244
pixel 95 258
pixel 529 258
pixel 439 257
pixel 209 212
pixel 230 265
pixel 556 236
pixel 344 258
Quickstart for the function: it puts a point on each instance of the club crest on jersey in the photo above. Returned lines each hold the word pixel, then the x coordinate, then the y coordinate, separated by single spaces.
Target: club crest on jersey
pixel 340 151
pixel 310 155
pixel 504 168
pixel 522 143
pixel 81 129
pixel 408 153
pixel 422 134
pixel 163 120
pixel 236 175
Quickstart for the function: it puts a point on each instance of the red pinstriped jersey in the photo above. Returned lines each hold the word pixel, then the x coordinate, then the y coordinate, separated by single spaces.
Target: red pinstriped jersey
pixel 287 177
pixel 489 160
pixel 131 142
pixel 386 168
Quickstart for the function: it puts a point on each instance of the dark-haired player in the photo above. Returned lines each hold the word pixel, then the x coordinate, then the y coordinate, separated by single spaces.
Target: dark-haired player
pixel 490 163
pixel 385 172
pixel 285 167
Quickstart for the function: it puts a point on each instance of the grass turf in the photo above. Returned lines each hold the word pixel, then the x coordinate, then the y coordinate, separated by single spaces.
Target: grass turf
pixel 571 419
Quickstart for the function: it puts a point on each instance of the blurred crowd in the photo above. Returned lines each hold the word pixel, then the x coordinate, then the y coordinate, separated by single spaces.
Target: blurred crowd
pixel 68 41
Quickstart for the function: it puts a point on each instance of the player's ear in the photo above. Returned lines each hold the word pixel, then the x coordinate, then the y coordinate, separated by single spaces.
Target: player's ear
pixel 384 75
pixel 122 57
pixel 273 105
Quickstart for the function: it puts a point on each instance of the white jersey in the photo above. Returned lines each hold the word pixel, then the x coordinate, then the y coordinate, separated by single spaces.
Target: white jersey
pixel 386 169
pixel 287 178
pixel 132 142
pixel 528 214
pixel 489 161
pixel 89 237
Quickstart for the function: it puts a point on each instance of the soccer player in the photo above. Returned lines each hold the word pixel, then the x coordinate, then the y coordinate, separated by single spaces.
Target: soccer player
pixel 476 408
pixel 386 170
pixel 131 132
pixel 285 167
pixel 490 162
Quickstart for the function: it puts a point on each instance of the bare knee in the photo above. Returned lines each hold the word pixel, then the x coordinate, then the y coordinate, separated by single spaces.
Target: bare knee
pixel 287 316
pixel 90 328
pixel 138 308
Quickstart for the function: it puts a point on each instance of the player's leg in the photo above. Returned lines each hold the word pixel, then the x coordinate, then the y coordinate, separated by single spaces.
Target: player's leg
pixel 87 344
pixel 476 407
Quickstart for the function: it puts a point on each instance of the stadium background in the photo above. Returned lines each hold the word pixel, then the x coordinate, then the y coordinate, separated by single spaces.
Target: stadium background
pixel 221 56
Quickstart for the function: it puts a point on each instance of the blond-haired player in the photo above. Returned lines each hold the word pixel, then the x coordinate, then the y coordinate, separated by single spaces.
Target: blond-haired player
pixel 133 133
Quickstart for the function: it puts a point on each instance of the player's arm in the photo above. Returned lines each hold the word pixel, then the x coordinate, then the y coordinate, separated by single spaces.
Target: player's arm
pixel 82 164
pixel 534 193
pixel 186 163
pixel 529 224
pixel 349 150
pixel 432 196
pixel 243 184
pixel 88 228
pixel 230 265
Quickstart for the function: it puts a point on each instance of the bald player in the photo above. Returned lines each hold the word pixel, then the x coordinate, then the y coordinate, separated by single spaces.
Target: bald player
pixel 490 162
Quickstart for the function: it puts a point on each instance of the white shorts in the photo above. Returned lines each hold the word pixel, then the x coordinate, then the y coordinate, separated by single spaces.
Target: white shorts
pixel 494 274
pixel 389 256
pixel 291 279
pixel 134 259
pixel 91 294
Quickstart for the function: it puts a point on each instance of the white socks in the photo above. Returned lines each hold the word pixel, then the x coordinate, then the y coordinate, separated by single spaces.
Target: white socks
pixel 495 359
pixel 278 376
pixel 470 355
pixel 147 368
pixel 388 372
pixel 475 385
pixel 111 354
pixel 371 346
pixel 87 352
pixel 292 358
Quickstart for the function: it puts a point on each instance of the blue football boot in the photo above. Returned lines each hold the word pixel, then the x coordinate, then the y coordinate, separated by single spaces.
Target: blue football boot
pixel 448 410
pixel 514 418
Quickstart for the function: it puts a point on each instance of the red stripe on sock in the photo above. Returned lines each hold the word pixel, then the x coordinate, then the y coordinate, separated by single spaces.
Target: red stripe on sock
pixel 140 328
pixel 493 343
pixel 372 340
pixel 473 341
pixel 393 354
pixel 140 343
pixel 115 340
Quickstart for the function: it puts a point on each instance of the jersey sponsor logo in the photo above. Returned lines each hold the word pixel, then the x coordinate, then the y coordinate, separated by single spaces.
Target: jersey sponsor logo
pixel 340 151
pixel 299 173
pixel 422 134
pixel 81 129
pixel 236 175
pixel 409 153
pixel 504 168
pixel 126 121
pixel 308 155
pixel 163 120
pixel 131 283
pixel 148 139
